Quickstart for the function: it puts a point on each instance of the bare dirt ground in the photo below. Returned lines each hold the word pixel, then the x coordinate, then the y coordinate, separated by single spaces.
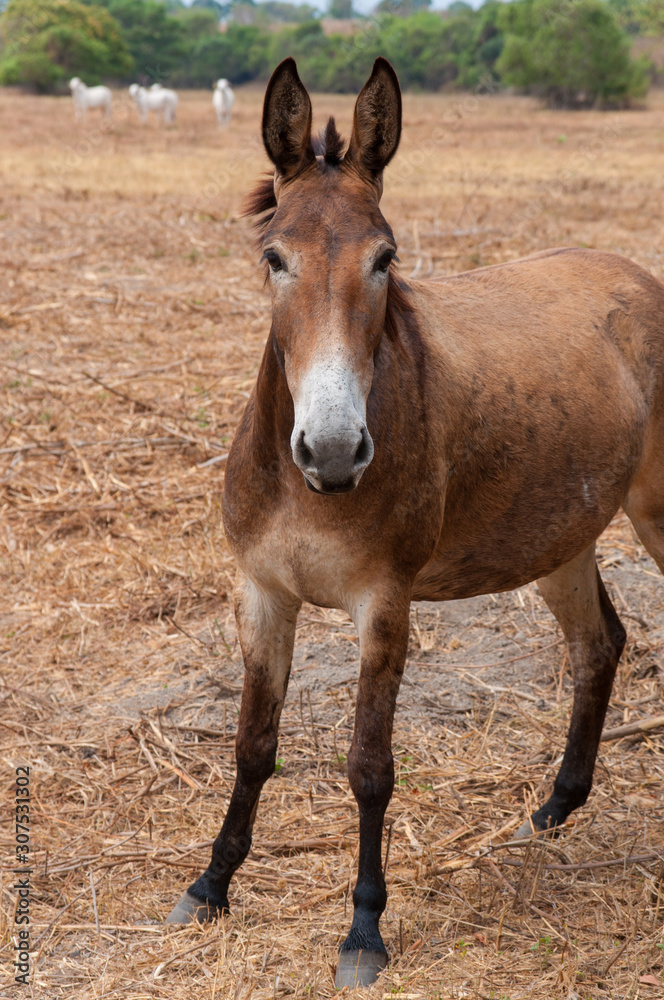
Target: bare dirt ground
pixel 132 319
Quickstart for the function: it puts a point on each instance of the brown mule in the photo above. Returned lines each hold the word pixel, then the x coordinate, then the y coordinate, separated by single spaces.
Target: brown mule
pixel 422 440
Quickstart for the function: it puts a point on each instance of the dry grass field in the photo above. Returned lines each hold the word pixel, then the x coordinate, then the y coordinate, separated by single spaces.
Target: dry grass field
pixel 132 319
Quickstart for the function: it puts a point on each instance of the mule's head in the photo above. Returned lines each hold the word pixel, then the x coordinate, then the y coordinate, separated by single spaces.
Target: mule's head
pixel 328 251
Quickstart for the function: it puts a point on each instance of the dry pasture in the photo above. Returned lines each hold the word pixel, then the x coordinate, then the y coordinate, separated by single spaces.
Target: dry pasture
pixel 132 318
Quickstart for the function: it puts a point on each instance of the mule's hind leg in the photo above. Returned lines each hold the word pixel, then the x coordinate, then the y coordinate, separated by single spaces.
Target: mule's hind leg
pixel 595 639
pixel 266 629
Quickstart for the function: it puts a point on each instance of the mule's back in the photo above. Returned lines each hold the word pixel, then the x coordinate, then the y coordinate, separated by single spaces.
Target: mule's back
pixel 557 297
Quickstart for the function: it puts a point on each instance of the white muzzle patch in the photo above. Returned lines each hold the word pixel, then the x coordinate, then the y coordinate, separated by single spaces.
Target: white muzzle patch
pixel 330 441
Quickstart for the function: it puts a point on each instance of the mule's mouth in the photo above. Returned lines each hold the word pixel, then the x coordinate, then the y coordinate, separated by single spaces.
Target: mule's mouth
pixel 331 489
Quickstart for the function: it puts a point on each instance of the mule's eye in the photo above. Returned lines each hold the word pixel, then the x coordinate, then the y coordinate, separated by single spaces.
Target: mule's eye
pixel 384 261
pixel 274 260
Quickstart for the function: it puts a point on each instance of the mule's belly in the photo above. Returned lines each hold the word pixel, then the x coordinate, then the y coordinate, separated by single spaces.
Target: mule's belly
pixel 463 571
pixel 505 531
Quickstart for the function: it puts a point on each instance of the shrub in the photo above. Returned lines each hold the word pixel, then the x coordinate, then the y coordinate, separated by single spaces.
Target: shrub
pixel 155 38
pixel 573 54
pixel 240 54
pixel 47 41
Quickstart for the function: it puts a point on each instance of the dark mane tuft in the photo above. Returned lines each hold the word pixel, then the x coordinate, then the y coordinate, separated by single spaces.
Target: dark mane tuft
pixel 334 144
pixel 329 144
pixel 261 203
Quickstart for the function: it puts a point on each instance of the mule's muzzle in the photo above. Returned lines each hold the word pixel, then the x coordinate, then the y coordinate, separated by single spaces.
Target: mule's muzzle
pixel 333 463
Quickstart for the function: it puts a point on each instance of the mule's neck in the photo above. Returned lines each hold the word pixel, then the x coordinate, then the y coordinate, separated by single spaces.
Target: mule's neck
pixel 273 412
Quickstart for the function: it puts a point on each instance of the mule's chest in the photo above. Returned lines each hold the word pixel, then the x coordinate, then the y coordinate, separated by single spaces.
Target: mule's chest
pixel 320 567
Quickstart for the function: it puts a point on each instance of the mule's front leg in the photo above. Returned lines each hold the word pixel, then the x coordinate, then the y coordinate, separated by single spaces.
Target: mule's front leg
pixel 266 629
pixel 383 644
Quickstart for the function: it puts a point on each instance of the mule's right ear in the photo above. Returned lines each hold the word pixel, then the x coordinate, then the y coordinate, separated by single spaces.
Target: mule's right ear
pixel 287 120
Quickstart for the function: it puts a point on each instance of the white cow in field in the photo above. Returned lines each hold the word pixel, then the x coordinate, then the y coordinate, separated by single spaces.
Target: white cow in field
pixel 89 97
pixel 157 98
pixel 223 100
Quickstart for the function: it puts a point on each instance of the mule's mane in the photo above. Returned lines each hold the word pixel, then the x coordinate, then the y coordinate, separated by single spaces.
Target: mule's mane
pixel 398 305
pixel 261 204
pixel 329 144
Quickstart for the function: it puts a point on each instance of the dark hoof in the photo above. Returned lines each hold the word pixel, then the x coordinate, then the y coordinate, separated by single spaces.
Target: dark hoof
pixel 359 968
pixel 189 909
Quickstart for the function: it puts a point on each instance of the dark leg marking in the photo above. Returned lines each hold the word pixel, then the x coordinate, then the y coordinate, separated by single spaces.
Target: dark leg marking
pixel 595 637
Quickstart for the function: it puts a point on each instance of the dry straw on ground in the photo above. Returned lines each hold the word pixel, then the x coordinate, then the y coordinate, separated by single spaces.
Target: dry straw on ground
pixel 132 320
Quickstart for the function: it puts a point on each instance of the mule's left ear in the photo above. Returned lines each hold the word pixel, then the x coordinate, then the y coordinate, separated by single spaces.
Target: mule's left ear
pixel 377 121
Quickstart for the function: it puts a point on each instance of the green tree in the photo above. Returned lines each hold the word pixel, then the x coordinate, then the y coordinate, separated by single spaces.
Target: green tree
pixel 220 9
pixel 307 43
pixel 571 54
pixel 197 23
pixel 426 50
pixel 640 17
pixel 650 15
pixel 279 10
pixel 626 15
pixel 239 54
pixel 340 9
pixel 402 8
pixel 244 12
pixel 43 42
pixel 156 39
pixel 478 64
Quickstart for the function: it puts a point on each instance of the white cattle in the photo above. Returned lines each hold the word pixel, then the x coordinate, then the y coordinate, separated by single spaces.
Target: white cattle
pixel 89 97
pixel 157 99
pixel 223 100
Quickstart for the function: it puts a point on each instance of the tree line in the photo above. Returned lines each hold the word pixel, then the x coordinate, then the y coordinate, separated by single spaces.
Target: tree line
pixel 569 52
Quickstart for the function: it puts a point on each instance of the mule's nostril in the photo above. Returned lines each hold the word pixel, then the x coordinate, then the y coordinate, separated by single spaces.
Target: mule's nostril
pixel 304 454
pixel 364 452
